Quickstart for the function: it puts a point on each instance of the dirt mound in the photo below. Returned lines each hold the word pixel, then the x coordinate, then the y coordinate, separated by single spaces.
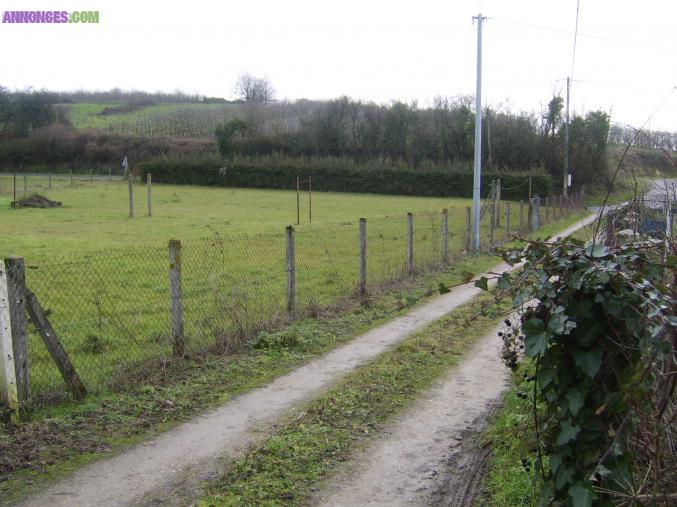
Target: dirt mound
pixel 35 201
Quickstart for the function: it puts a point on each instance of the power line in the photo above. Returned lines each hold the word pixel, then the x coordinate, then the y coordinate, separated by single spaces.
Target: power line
pixel 589 36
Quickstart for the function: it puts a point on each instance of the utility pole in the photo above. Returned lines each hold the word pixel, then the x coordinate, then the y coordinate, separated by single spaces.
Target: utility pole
pixel 565 170
pixel 477 174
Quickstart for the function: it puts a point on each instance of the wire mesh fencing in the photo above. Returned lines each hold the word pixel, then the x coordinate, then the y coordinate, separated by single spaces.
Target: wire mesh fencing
pixel 120 314
pixel 20 184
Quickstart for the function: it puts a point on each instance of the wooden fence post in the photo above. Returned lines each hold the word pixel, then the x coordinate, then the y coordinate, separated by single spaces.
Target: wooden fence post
pixel 530 215
pixel 130 185
pixel 291 271
pixel 50 180
pixel 16 284
pixel 507 220
pixel 54 347
pixel 521 216
pixel 363 257
pixel 109 175
pixel 71 177
pixel 498 202
pixel 547 208
pixel 149 185
pixel 176 297
pixel 8 388
pixel 445 236
pixel 25 184
pixel 491 225
pixel 298 201
pixel 410 243
pixel 91 177
pixel 467 229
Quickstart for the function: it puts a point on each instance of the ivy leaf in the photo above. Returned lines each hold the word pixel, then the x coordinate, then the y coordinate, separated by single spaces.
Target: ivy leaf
pixel 597 251
pixel 504 282
pixel 580 495
pixel 535 337
pixel 563 477
pixel 568 432
pixel 467 276
pixel 545 375
pixel 576 400
pixel 589 361
pixel 482 283
pixel 555 462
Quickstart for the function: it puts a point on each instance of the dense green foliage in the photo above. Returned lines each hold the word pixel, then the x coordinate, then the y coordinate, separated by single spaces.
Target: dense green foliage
pixel 22 113
pixel 331 175
pixel 602 336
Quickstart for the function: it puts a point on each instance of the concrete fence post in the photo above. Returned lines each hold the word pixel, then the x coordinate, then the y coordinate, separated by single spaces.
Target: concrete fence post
pixel 445 236
pixel 363 257
pixel 176 297
pixel 410 243
pixel 507 220
pixel 16 284
pixel 291 271
pixel 8 385
pixel 467 229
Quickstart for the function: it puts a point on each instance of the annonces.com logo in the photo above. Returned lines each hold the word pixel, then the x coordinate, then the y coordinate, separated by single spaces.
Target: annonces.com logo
pixel 36 17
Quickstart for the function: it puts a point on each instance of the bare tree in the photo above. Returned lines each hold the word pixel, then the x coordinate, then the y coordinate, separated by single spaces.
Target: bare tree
pixel 253 89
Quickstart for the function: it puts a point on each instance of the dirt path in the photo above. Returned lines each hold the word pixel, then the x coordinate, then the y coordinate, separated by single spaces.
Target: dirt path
pixel 194 451
pixel 410 463
pixel 195 447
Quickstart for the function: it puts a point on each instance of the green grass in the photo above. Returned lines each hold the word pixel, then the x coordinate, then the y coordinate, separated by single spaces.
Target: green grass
pixel 284 468
pixel 87 115
pixel 511 479
pixel 110 306
pixel 62 438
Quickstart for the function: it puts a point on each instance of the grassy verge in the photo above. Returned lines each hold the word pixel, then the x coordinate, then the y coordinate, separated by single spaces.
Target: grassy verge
pixel 285 467
pixel 63 438
pixel 511 479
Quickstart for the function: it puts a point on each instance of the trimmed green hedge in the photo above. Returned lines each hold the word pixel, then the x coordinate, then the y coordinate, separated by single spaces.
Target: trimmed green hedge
pixel 209 172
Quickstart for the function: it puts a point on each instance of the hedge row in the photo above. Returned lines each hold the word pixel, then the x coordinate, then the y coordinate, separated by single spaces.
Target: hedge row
pixel 210 172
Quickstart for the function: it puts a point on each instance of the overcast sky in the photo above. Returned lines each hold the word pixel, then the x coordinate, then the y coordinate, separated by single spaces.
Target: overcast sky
pixel 369 49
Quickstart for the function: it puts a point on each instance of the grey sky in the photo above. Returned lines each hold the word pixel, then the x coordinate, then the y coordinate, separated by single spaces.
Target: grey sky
pixel 374 50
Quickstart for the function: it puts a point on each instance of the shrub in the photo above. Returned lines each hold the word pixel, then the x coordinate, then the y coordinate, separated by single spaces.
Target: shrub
pixel 281 173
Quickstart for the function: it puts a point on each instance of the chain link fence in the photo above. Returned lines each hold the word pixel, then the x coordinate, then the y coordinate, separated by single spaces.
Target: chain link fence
pixel 116 316
pixel 20 184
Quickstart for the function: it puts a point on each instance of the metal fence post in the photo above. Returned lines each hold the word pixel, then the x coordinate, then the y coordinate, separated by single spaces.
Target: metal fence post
pixel 16 283
pixel 176 296
pixel 445 236
pixel 467 229
pixel 363 257
pixel 8 388
pixel 507 220
pixel 410 243
pixel 291 271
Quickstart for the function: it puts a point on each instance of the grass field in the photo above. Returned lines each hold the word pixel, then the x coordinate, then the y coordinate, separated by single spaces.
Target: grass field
pixel 104 277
